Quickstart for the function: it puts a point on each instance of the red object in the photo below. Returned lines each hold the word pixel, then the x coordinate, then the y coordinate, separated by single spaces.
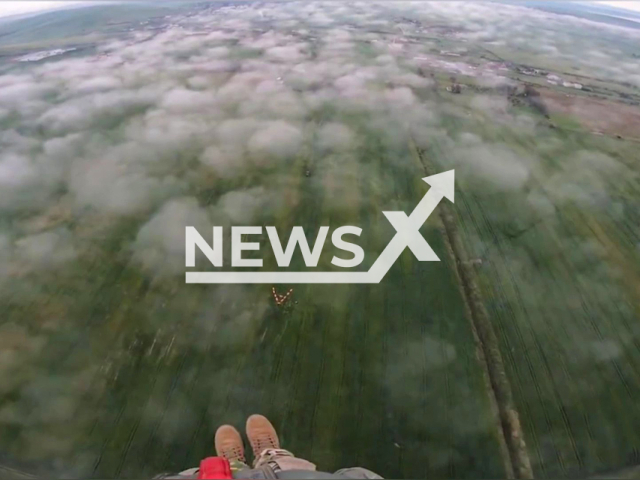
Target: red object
pixel 214 468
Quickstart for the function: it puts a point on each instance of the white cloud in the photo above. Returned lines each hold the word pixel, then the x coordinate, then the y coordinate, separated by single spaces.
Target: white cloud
pixel 277 139
pixel 159 245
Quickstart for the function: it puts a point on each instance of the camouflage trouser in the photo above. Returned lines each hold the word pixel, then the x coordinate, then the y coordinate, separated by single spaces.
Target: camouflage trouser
pixel 272 461
pixel 280 459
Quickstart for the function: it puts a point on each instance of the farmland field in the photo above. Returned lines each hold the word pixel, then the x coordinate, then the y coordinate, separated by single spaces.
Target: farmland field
pixel 560 285
pixel 516 355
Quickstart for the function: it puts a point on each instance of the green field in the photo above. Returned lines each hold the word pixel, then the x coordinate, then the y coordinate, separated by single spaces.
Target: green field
pixel 385 376
pixel 560 285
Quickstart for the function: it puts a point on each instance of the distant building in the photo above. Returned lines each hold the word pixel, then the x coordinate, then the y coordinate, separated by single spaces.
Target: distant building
pixel 530 71
pixel 572 85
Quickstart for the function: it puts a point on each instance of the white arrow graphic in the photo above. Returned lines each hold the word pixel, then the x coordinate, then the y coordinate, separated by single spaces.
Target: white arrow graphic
pixel 407 235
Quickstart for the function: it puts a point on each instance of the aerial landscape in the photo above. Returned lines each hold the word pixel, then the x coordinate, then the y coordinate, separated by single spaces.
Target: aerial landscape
pixel 515 356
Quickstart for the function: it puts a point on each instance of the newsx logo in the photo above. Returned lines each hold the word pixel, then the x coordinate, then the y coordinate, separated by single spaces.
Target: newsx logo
pixel 407 235
pixel 283 256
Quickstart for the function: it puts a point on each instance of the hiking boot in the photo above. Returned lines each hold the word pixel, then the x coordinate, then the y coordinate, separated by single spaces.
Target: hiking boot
pixel 261 434
pixel 229 444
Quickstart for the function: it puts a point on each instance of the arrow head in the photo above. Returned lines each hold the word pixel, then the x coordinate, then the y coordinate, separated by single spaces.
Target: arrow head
pixel 443 182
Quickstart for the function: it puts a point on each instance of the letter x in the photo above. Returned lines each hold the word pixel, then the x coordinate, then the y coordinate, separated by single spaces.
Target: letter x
pixel 407 231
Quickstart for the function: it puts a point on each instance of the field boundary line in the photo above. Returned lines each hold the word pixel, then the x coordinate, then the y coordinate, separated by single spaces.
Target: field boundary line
pixel 510 426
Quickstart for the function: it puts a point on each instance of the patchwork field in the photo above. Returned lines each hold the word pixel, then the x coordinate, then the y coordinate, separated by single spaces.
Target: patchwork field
pixel 559 280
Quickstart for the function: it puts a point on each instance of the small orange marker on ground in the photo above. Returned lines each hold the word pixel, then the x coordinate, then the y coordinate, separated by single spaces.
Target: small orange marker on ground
pixel 281 299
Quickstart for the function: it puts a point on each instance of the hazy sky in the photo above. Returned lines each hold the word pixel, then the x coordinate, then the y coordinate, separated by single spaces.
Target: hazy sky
pixel 13 7
pixel 627 5
pixel 25 6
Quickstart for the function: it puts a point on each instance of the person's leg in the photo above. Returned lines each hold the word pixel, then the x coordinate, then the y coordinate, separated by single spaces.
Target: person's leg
pixel 229 445
pixel 357 472
pixel 266 447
